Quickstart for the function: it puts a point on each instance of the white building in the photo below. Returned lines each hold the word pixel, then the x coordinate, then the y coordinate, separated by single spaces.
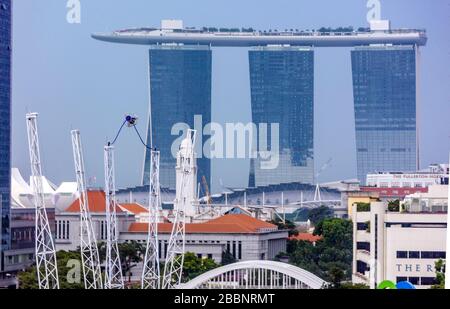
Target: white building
pixel 398 246
pixel 59 197
pixel 434 175
pixel 245 237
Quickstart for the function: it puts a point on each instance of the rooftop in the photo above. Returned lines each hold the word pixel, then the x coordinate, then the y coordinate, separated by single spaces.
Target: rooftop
pixel 97 203
pixel 231 224
pixel 175 33
pixel 306 237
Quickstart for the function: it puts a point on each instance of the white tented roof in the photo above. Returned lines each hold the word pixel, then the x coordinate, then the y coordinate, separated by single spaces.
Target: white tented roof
pixel 67 187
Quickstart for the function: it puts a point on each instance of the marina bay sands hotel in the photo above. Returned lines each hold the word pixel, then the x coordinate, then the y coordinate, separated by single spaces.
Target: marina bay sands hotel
pixel 384 67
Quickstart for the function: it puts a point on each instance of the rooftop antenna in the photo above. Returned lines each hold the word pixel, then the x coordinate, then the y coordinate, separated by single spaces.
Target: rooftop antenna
pixel 46 265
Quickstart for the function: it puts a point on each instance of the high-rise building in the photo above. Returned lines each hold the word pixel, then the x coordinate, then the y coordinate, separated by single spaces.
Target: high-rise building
pixel 5 126
pixel 384 88
pixel 180 89
pixel 282 92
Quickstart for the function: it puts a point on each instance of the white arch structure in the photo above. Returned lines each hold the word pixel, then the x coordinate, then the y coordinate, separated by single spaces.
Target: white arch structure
pixel 256 275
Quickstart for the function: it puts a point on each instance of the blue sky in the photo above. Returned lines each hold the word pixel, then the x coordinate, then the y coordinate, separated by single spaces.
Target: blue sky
pixel 74 81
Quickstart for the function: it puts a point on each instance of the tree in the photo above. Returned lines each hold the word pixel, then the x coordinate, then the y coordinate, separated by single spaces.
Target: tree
pixel 440 274
pixel 319 214
pixel 287 225
pixel 70 275
pixel 331 257
pixel 351 286
pixel 194 266
pixel 227 258
pixel 131 254
pixel 394 205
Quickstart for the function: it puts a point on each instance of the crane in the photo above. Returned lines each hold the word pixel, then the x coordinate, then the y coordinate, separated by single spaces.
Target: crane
pixel 90 258
pixel 151 273
pixel 173 267
pixel 46 264
pixel 113 267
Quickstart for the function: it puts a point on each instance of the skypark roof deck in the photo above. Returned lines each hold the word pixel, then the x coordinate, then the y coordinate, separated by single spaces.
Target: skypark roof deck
pixel 247 37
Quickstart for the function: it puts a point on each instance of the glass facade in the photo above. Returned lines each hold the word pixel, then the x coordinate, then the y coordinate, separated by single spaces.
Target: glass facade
pixel 180 89
pixel 384 89
pixel 5 125
pixel 282 91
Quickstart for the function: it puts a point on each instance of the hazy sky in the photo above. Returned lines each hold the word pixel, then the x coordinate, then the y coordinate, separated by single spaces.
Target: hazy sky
pixel 74 81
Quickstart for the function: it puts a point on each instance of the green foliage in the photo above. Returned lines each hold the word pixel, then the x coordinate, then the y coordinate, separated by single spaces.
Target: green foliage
pixel 227 258
pixel 195 266
pixel 331 257
pixel 28 279
pixel 440 274
pixel 394 206
pixel 287 225
pixel 362 207
pixel 131 253
pixel 351 286
pixel 319 214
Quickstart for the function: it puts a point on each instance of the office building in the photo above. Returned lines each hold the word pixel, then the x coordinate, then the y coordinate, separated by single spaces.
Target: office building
pixel 282 92
pixel 384 89
pixel 384 82
pixel 400 244
pixel 180 89
pixel 5 127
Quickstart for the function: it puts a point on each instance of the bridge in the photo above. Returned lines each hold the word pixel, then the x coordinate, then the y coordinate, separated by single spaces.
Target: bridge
pixel 256 275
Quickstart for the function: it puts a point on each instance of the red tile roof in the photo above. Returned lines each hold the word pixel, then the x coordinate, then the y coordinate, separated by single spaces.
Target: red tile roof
pixel 226 224
pixel 134 208
pixel 306 237
pixel 96 200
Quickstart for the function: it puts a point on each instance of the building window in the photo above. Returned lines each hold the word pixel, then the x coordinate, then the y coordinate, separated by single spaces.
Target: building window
pixel 414 255
pixel 402 279
pixel 361 226
pixel 210 256
pixel 427 281
pixel 402 254
pixel 414 280
pixel 363 246
pixel 103 230
pixel 433 255
pixel 62 229
pixel 361 267
pixel 240 250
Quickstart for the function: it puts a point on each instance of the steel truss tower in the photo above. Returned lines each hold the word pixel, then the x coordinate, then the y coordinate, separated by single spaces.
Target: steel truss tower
pixel 151 272
pixel 173 267
pixel 46 264
pixel 113 269
pixel 88 244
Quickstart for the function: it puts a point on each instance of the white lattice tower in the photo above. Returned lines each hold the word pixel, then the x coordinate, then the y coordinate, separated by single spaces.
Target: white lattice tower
pixel 173 268
pixel 88 244
pixel 151 273
pixel 46 264
pixel 113 269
